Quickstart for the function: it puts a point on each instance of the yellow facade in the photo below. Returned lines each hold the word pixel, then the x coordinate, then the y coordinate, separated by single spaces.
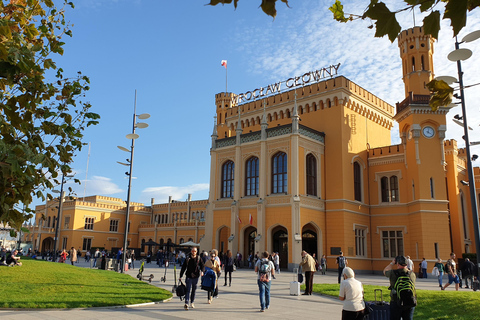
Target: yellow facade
pixel 313 169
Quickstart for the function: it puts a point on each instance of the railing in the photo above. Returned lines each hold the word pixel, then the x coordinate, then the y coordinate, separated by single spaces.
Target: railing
pixel 413 99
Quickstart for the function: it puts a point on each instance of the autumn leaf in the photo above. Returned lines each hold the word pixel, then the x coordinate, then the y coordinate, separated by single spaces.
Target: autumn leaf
pixel 442 94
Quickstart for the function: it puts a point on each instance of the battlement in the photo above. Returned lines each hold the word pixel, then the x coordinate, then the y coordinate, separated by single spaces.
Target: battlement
pixel 384 151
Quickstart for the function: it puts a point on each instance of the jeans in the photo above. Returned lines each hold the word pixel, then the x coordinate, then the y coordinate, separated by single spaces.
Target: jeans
pixel 94 262
pixel 264 293
pixel 440 278
pixel 191 284
pixel 424 272
pixel 340 270
pixel 397 313
pixel 466 280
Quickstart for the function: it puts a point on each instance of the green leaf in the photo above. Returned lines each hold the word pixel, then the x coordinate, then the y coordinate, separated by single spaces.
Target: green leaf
pixel 337 10
pixel 431 24
pixel 456 11
pixel 386 22
pixel 442 94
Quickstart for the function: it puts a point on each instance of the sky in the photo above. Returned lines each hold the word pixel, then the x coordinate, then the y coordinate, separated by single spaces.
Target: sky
pixel 170 53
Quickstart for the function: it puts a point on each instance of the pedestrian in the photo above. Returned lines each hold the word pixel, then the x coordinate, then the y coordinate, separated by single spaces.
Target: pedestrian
pixel 468 269
pixel 192 268
pixel 87 256
pixel 351 293
pixel 276 263
pixel 323 264
pixel 424 266
pixel 119 259
pixel 73 255
pixel 440 270
pixel 265 270
pixel 79 253
pixel 228 267
pixel 213 264
pixel 308 266
pixel 342 263
pixel 63 256
pixel 451 270
pixel 132 257
pixel 401 280
pixel 410 264
pixel 96 255
pixel 239 260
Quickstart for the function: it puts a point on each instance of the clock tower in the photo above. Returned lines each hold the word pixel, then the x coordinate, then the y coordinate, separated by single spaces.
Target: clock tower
pixel 422 132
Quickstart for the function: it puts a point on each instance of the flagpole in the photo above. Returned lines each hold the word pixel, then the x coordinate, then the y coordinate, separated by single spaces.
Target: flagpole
pixel 226 79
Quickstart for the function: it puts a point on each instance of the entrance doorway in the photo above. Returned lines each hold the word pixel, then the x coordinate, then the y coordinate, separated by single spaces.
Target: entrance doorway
pixel 280 245
pixel 249 243
pixel 309 240
pixel 47 244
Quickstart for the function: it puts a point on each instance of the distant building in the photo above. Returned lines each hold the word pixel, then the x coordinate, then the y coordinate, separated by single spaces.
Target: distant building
pixel 311 169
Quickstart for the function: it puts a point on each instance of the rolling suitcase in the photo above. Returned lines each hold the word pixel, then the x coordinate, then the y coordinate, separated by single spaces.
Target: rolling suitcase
pixel 379 309
pixel 295 285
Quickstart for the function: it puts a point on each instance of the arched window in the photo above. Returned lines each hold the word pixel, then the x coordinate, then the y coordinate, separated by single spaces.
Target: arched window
pixel 181 240
pixel 357 181
pixel 228 179
pixel 311 175
pixel 389 189
pixel 464 216
pixel 251 177
pixel 279 173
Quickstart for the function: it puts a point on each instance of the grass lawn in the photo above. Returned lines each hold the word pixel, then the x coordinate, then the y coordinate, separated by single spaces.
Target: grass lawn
pixel 43 284
pixel 449 304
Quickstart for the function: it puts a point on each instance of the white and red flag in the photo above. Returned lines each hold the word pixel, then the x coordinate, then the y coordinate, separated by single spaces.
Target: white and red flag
pixel 239 220
pixel 250 219
pixel 224 63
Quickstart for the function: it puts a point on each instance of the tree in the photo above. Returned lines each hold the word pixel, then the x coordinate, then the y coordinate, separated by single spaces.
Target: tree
pixel 268 6
pixel 41 120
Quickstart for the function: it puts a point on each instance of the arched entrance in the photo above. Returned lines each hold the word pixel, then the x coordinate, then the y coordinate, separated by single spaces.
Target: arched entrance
pixel 249 242
pixel 47 244
pixel 223 234
pixel 280 245
pixel 309 240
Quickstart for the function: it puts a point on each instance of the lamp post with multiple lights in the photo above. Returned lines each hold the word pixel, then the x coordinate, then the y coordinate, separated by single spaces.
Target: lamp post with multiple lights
pixel 457 56
pixel 132 136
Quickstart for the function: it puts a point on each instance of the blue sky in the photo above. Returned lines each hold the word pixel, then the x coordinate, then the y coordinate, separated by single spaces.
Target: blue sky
pixel 170 52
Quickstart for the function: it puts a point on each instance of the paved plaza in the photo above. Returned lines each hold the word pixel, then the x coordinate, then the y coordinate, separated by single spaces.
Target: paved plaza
pixel 240 301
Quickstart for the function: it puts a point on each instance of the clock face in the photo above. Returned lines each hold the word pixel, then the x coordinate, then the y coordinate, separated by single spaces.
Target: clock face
pixel 428 131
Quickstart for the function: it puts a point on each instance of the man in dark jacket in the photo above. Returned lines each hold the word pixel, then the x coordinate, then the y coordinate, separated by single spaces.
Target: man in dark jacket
pixel 468 269
pixel 192 268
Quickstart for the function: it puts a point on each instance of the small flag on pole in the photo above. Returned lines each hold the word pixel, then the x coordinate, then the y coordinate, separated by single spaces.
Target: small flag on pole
pixel 238 218
pixel 224 63
pixel 250 219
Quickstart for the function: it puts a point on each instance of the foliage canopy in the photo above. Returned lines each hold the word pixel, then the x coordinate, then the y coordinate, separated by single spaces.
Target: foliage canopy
pixel 42 113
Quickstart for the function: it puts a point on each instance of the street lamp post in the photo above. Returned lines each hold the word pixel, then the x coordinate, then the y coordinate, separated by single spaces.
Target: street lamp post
pixel 132 136
pixel 457 56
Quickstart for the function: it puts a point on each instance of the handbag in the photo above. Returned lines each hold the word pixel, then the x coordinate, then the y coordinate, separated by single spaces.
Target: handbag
pixel 181 290
pixel 234 268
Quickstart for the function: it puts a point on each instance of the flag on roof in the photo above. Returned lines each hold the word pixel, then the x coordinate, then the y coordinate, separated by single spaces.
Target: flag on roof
pixel 224 63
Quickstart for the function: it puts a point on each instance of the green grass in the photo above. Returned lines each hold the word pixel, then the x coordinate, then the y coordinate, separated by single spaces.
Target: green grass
pixel 42 284
pixel 448 304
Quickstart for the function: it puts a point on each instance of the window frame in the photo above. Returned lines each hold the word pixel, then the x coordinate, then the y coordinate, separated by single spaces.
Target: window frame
pixel 89 223
pixel 275 174
pixel 228 183
pixel 388 186
pixel 357 181
pixel 114 224
pixel 252 176
pixel 386 243
pixel 361 232
pixel 311 175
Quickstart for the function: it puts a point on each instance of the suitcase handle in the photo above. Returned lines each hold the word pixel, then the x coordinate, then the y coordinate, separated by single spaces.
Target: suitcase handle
pixel 381 302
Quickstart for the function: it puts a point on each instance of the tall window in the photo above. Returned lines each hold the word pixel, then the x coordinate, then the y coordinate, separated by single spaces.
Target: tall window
pixel 113 225
pixel 432 189
pixel 392 243
pixel 64 243
pixel 66 223
pixel 389 189
pixel 311 175
pixel 228 179
pixel 464 217
pixel 357 181
pixel 360 241
pixel 279 173
pixel 251 177
pixel 87 244
pixel 89 223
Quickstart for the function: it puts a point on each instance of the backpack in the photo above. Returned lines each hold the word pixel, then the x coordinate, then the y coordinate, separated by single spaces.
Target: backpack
pixel 264 270
pixel 404 290
pixel 341 262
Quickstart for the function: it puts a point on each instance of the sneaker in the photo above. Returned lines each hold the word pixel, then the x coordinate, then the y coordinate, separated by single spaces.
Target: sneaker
pixel 210 301
pixel 443 288
pixel 262 310
pixel 185 306
pixel 267 307
pixel 192 306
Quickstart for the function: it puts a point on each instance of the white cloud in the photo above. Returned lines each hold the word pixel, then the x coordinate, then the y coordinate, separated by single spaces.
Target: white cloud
pixel 96 185
pixel 161 194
